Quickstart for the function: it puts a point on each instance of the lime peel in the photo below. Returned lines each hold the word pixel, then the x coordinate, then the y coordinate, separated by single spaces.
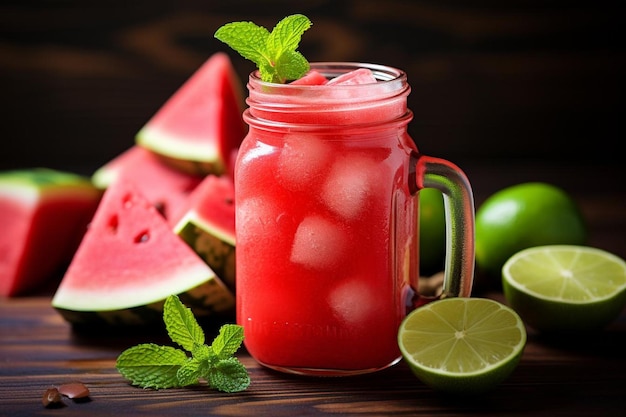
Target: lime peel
pixel 565 288
pixel 523 216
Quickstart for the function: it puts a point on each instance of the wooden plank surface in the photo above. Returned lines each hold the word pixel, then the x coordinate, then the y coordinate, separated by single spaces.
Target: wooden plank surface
pixel 575 377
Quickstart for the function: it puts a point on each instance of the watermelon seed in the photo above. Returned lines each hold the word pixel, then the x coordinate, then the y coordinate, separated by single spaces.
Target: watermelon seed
pixel 142 237
pixel 113 223
pixel 161 208
pixel 127 201
pixel 75 390
pixel 52 398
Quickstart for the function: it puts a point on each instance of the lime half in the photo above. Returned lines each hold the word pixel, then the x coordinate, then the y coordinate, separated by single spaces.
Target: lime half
pixel 564 288
pixel 462 345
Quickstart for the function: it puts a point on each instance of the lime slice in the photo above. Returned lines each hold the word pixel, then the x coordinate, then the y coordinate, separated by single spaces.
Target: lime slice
pixel 564 288
pixel 463 345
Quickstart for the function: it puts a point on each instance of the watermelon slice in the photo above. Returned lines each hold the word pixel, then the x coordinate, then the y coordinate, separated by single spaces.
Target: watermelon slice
pixel 165 187
pixel 201 123
pixel 208 225
pixel 129 262
pixel 43 216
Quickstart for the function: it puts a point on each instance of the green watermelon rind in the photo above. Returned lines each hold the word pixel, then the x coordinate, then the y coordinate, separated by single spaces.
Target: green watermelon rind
pixel 210 299
pixel 194 218
pixel 192 166
pixel 207 240
pixel 103 177
pixel 110 300
pixel 173 133
pixel 164 144
pixel 43 183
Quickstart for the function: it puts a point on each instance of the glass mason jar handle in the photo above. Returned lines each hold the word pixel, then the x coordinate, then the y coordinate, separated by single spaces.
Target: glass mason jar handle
pixel 431 172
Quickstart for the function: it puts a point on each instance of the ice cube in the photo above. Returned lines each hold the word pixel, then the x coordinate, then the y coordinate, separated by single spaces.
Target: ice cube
pixel 353 301
pixel 256 220
pixel 318 243
pixel 350 183
pixel 303 159
pixel 358 76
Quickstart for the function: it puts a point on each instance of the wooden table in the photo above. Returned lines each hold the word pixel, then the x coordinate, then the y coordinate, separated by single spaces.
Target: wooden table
pixel 580 376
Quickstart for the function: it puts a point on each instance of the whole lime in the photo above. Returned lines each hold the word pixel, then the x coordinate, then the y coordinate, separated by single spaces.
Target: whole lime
pixel 432 224
pixel 523 216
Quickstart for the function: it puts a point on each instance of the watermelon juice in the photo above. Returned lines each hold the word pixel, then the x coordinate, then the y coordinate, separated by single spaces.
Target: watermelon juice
pixel 326 188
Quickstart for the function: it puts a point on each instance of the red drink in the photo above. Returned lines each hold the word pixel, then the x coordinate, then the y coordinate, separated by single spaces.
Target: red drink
pixel 327 222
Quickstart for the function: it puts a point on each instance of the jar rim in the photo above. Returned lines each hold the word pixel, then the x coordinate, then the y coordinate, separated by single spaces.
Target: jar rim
pixel 330 69
pixel 332 103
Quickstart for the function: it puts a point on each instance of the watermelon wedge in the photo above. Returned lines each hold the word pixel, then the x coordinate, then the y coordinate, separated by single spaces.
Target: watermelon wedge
pixel 127 264
pixel 165 187
pixel 208 225
pixel 43 216
pixel 197 128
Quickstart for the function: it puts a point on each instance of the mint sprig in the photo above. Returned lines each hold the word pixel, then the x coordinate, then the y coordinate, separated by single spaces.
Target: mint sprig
pixel 152 366
pixel 275 53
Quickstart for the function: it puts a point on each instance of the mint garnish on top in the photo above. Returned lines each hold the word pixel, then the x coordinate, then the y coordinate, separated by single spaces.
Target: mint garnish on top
pixel 152 366
pixel 274 52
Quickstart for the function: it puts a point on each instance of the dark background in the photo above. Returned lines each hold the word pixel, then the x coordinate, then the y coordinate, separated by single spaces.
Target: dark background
pixel 496 84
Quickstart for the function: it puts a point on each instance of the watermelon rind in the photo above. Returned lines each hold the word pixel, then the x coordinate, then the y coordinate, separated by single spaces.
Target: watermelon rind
pixel 208 225
pixel 130 261
pixel 43 215
pixel 208 300
pixel 33 183
pixel 215 247
pixel 200 125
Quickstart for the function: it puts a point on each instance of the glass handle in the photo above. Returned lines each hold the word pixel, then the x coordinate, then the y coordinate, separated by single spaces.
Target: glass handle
pixel 431 172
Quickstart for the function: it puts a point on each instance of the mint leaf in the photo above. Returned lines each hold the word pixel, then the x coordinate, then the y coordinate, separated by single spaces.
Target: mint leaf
pixel 228 375
pixel 151 366
pixel 181 325
pixel 291 64
pixel 189 373
pixel 246 38
pixel 275 53
pixel 228 341
pixel 286 34
pixel 203 352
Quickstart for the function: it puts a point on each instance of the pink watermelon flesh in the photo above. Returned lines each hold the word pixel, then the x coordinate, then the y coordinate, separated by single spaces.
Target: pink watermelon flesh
pixel 311 78
pixel 202 121
pixel 213 203
pixel 165 187
pixel 42 222
pixel 129 257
